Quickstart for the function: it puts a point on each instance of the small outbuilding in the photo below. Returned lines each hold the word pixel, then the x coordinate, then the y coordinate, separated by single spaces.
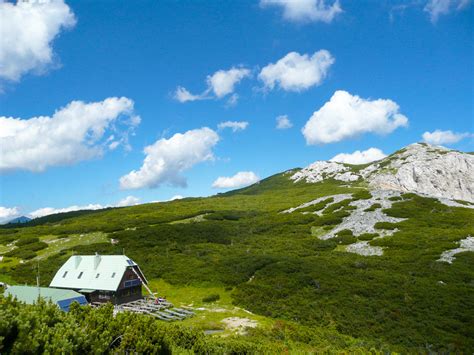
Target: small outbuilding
pixel 31 295
pixel 102 278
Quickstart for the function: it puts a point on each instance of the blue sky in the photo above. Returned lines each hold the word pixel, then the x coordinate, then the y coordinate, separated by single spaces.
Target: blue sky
pixel 378 74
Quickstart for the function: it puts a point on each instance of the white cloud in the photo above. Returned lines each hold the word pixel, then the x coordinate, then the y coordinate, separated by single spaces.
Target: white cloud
pixel 346 116
pixel 232 101
pixel 183 95
pixel 72 134
pixel 296 72
pixel 173 198
pixel 166 159
pixel 45 211
pixel 437 8
pixel 306 10
pixel 6 213
pixel 283 122
pixel 234 125
pixel 360 157
pixel 219 85
pixel 223 82
pixel 439 137
pixel 27 30
pixel 128 201
pixel 242 178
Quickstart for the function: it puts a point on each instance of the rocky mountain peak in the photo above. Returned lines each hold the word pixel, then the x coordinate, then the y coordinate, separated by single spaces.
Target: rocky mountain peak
pixel 420 168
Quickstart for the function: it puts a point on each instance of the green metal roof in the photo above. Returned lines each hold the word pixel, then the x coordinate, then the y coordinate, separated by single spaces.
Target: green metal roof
pixel 30 294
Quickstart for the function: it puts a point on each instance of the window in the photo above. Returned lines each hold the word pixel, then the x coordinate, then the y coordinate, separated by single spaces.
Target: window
pixel 80 275
pixel 64 275
pixel 113 274
pixel 104 295
pixel 131 283
pixel 97 276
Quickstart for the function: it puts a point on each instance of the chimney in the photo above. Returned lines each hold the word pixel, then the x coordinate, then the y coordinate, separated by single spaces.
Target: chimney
pixel 96 260
pixel 77 261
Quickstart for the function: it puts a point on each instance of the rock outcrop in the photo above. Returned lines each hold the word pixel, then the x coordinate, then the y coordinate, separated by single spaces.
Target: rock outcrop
pixel 420 168
pixel 464 245
pixel 320 170
pixel 425 169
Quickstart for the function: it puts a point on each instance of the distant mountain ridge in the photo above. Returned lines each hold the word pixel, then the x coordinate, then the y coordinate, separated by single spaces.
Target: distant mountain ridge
pixel 420 168
pixel 21 219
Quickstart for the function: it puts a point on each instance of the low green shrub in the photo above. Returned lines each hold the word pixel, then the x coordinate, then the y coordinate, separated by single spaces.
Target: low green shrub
pixel 331 219
pixel 26 240
pixel 361 195
pixel 327 244
pixel 385 225
pixel 211 298
pixel 7 239
pixel 20 253
pixel 229 215
pixel 367 236
pixel 374 207
pixel 345 232
pixel 318 206
pixel 345 239
pixel 35 246
pixel 337 206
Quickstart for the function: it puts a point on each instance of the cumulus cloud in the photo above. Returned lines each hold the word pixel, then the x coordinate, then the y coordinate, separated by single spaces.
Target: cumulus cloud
pixel 306 10
pixel 166 159
pixel 233 125
pixel 72 134
pixel 233 99
pixel 346 116
pixel 296 72
pixel 45 211
pixel 223 82
pixel 283 122
pixel 219 85
pixel 242 178
pixel 128 201
pixel 183 95
pixel 173 198
pixel 27 31
pixel 439 137
pixel 6 213
pixel 438 8
pixel 360 157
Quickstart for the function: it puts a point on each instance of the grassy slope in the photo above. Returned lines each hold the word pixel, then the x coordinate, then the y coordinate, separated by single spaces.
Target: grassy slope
pixel 272 265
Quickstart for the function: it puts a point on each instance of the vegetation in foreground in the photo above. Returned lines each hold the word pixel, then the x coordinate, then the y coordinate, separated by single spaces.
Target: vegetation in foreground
pixel 275 266
pixel 43 328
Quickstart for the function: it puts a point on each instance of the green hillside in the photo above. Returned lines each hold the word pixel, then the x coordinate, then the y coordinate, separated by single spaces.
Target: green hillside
pixel 304 293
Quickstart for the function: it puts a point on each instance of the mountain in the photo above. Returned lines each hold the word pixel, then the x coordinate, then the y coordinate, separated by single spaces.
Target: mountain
pixel 22 219
pixel 420 168
pixel 329 257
